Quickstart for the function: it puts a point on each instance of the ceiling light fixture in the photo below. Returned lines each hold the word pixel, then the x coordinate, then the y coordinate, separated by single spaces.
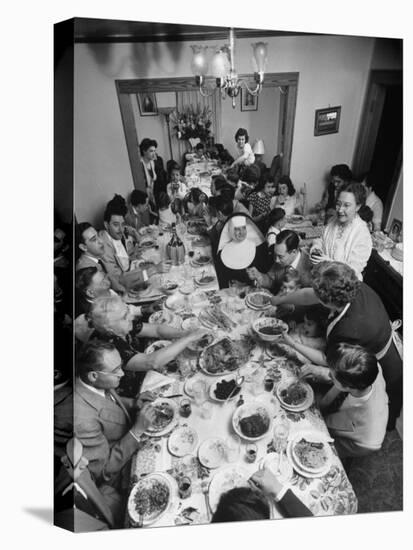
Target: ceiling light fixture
pixel 223 69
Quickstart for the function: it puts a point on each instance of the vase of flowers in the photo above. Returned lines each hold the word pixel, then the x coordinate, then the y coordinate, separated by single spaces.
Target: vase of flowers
pixel 192 123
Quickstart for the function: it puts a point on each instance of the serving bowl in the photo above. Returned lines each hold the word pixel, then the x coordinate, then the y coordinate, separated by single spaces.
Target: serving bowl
pixel 269 329
pixel 252 417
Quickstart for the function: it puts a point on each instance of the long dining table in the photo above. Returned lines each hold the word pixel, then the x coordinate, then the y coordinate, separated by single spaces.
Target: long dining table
pixel 329 494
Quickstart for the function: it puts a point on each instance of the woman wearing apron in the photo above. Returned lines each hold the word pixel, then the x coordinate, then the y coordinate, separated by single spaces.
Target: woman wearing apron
pixel 357 317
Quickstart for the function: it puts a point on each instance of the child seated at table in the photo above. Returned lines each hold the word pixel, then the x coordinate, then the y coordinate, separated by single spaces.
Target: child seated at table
pixel 276 220
pixel 356 408
pixel 166 216
pixel 176 187
pixel 311 332
pixel 196 203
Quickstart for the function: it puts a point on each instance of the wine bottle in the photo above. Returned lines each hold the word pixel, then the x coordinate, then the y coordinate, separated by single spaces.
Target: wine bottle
pixel 175 249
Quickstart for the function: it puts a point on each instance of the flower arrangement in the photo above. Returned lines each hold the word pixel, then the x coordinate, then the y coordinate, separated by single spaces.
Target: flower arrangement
pixel 192 122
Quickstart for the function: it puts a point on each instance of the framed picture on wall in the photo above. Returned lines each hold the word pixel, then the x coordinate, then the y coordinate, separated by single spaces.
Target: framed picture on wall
pixel 249 102
pixel 395 230
pixel 147 104
pixel 327 121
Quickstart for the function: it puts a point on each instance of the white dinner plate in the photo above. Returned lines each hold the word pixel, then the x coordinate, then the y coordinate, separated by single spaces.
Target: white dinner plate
pixel 308 401
pixel 173 422
pixel 182 441
pixel 147 482
pixel 212 452
pixel 297 464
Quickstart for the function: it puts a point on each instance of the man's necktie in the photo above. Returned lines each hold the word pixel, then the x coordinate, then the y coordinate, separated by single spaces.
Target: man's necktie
pixel 102 265
pixel 112 395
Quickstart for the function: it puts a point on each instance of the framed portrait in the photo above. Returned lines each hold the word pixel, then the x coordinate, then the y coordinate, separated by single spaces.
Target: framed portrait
pixel 395 230
pixel 147 104
pixel 249 102
pixel 327 121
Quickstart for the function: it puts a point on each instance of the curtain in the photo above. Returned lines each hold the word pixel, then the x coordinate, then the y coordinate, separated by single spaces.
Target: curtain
pixel 213 102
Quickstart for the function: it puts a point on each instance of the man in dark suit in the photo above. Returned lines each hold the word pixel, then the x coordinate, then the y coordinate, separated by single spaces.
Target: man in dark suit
pixel 109 427
pixel 287 254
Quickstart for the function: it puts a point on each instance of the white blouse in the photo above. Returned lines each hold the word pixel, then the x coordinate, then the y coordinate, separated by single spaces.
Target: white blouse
pixel 289 204
pixel 350 244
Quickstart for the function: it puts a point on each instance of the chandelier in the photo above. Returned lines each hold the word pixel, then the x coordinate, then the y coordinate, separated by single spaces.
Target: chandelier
pixel 223 69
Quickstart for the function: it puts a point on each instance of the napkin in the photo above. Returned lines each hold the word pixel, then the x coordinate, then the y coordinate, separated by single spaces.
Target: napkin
pixel 155 380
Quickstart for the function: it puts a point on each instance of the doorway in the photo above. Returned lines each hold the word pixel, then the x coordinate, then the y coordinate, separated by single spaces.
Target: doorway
pixel 380 142
pixel 287 82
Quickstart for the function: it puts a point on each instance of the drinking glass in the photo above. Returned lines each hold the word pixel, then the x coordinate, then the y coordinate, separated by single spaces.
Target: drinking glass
pixel 280 434
pixel 185 407
pixel 184 487
pixel 251 452
pixel 257 383
pixel 199 391
pixel 233 444
pixel 206 410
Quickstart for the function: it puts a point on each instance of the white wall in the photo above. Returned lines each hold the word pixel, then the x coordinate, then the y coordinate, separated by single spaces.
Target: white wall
pixel 260 124
pixel 332 71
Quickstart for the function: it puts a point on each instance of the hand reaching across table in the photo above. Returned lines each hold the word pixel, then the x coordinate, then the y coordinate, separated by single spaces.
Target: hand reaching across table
pixel 315 372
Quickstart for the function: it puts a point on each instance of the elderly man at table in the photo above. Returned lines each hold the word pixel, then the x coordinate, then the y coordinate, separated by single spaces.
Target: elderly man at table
pixel 248 504
pixel 108 426
pixel 287 254
pixel 356 408
pixel 118 249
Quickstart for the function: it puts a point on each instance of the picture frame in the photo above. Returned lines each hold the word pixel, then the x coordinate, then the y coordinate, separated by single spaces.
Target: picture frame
pixel 249 102
pixel 395 229
pixel 147 104
pixel 327 121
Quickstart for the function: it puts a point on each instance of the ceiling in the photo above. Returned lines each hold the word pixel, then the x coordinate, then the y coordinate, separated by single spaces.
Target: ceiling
pixel 111 30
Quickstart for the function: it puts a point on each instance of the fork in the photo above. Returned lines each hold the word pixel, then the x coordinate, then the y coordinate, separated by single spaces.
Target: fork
pixel 205 491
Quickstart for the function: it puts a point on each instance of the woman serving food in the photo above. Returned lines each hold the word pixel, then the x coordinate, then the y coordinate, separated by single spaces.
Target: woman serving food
pixel 357 317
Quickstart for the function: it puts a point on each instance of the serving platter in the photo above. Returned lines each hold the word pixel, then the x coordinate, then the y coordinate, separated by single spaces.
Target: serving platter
pixel 205 359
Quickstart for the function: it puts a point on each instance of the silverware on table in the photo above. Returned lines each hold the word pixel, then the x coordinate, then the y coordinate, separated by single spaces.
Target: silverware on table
pixel 205 491
pixel 238 383
pixel 172 396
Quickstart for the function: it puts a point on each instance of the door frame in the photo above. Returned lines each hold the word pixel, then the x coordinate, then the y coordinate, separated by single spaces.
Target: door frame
pixel 378 81
pixel 126 87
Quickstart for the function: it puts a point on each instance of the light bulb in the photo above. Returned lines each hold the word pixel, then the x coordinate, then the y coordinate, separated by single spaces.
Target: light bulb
pixel 199 64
